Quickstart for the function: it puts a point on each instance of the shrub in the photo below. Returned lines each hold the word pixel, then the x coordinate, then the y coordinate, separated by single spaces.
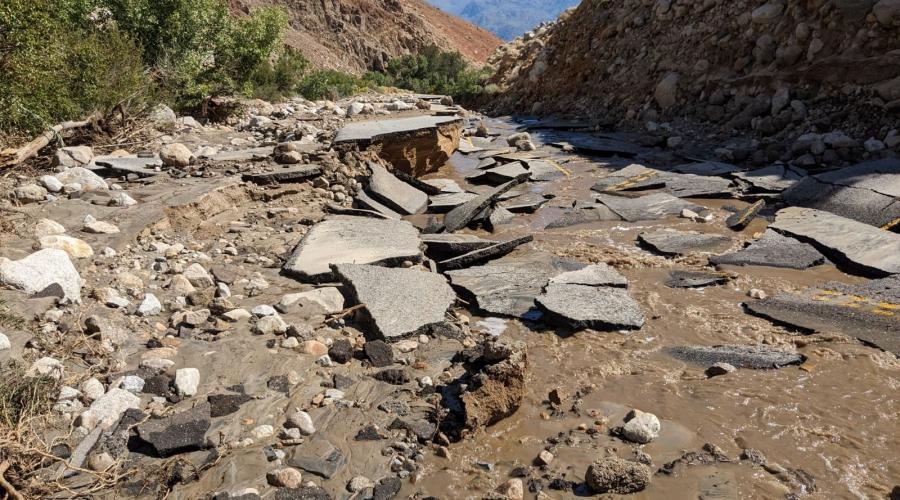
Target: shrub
pixel 273 81
pixel 432 71
pixel 56 64
pixel 328 84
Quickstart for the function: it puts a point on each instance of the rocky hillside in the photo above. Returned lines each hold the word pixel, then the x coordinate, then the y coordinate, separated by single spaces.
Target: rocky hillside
pixel 506 18
pixel 358 35
pixel 776 69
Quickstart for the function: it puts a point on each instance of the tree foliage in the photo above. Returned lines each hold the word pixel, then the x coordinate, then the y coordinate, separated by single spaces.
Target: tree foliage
pixel 432 71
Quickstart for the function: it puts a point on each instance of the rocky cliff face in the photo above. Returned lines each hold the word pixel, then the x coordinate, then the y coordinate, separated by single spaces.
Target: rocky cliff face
pixel 773 69
pixel 358 35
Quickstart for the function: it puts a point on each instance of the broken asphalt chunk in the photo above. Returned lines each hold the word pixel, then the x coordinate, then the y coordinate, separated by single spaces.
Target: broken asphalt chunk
pixel 773 249
pixel 318 457
pixel 398 302
pixel 695 279
pixel 774 179
pixel 416 145
pixel 860 247
pixel 344 239
pixel 759 357
pixel 509 286
pixel 283 175
pixel 446 245
pixel 395 193
pixel 596 307
pixel 179 433
pixel 868 192
pixel 668 242
pixel 482 254
pixel 868 311
pixel 460 216
pixel 593 275
pixel 650 207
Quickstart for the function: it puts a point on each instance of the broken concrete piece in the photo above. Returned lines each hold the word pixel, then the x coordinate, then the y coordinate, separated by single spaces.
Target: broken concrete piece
pixel 775 250
pixel 758 357
pixel 283 175
pixel 499 175
pixel 483 254
pixel 460 217
pixel 394 193
pixel 584 215
pixel 398 302
pixel 327 300
pixel 650 207
pixel 40 270
pixel 359 240
pixel 416 145
pixel 130 165
pixel 867 311
pixel 179 433
pixel 859 246
pixel 596 307
pixel 868 192
pixel 680 243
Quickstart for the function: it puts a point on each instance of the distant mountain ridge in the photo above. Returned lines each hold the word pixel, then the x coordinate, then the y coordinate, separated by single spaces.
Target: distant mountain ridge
pixel 505 18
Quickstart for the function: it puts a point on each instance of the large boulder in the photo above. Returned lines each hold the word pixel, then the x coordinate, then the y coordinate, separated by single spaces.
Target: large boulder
pixel 40 270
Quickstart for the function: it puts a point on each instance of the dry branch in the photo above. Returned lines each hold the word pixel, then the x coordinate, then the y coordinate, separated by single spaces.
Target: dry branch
pixel 11 157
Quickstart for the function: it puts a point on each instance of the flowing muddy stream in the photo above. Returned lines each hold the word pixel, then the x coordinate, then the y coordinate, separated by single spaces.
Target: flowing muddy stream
pixel 828 428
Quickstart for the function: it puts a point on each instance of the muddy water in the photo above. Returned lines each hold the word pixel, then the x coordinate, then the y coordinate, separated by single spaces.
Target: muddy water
pixel 834 418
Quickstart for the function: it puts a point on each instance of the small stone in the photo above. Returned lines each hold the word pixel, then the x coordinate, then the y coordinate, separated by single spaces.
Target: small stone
pixel 270 325
pixel 263 432
pixel 198 276
pixel 874 145
pixel 360 483
pixel 666 91
pixel 47 227
pixel 720 369
pixel 176 155
pixel 756 293
pixel 341 351
pixel 640 427
pixel 46 367
pixel 379 353
pixel 544 458
pixel 236 315
pixel 615 475
pixel 51 184
pixel 132 383
pixel 314 347
pixel 30 193
pixel 187 380
pixel 263 310
pixel 77 249
pixel 150 306
pixel 513 489
pixel 100 227
pixel 4 342
pixel 92 389
pixel 100 462
pixel 290 343
pixel 299 419
pixel 286 477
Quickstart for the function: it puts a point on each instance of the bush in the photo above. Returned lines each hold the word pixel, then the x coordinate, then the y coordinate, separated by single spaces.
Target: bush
pixel 328 84
pixel 281 79
pixel 64 59
pixel 432 71
pixel 55 64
